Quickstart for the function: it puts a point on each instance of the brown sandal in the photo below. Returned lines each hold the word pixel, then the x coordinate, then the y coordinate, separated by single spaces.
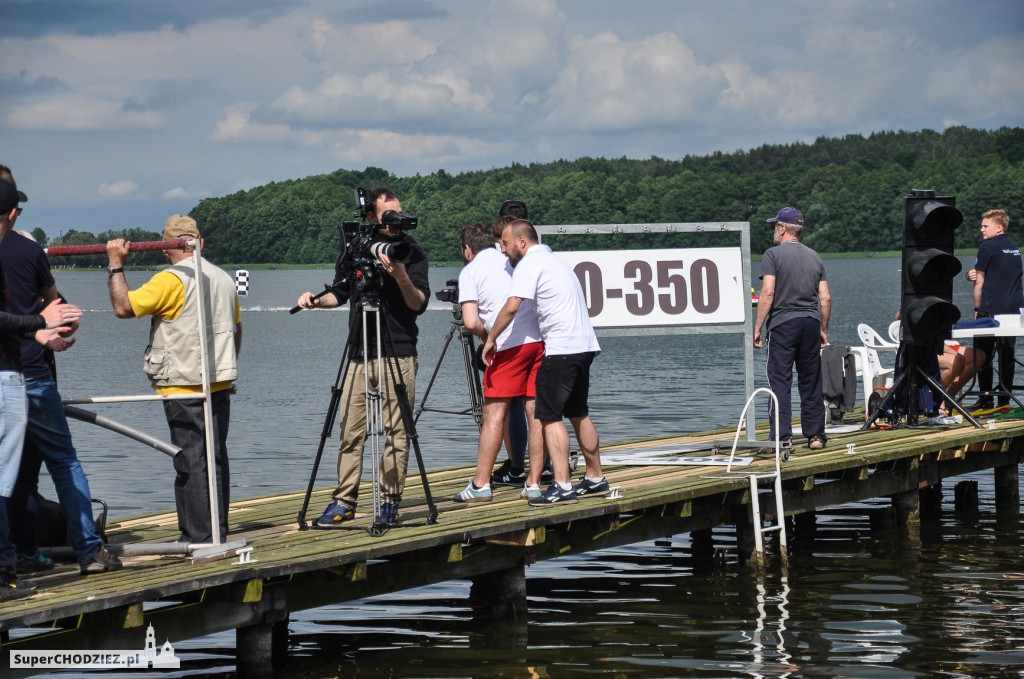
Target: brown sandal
pixel 816 443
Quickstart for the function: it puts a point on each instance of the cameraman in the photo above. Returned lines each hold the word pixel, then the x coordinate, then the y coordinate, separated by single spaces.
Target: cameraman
pixel 403 296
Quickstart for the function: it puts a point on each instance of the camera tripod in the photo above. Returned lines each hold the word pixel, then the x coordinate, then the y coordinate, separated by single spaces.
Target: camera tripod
pixel 369 308
pixel 476 390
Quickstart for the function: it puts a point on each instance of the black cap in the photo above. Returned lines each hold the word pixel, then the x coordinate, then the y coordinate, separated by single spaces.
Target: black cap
pixel 10 196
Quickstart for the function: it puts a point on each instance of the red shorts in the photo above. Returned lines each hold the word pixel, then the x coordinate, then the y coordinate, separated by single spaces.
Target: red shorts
pixel 513 372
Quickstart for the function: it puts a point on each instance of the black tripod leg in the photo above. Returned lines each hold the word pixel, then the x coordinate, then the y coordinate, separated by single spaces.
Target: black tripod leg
pixel 405 409
pixel 476 388
pixel 325 433
pixel 888 397
pixel 410 430
pixel 433 375
pixel 938 387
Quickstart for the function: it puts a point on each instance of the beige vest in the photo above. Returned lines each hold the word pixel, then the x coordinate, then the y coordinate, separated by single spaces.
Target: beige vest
pixel 173 357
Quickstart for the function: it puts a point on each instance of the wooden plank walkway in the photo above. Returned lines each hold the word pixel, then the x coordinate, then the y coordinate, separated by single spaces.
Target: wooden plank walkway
pixel 296 570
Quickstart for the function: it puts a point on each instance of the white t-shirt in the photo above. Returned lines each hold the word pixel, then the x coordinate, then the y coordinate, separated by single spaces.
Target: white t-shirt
pixel 547 282
pixel 486 281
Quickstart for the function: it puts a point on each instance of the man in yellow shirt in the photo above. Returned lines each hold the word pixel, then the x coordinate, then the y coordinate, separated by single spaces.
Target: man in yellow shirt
pixel 173 363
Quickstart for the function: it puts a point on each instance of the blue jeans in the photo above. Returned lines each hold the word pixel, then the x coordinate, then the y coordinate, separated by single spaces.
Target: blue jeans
pixel 49 436
pixel 13 416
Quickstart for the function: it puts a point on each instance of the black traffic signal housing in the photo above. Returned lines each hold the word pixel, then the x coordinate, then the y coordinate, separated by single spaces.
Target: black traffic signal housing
pixel 929 267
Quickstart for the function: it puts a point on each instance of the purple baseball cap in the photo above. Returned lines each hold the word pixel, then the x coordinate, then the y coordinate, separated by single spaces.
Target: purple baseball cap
pixel 788 215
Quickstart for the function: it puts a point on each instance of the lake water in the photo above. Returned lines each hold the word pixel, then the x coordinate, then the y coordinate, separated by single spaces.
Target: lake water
pixel 944 598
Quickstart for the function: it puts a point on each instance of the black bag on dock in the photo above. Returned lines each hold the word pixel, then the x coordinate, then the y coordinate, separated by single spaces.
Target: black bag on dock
pixel 52 524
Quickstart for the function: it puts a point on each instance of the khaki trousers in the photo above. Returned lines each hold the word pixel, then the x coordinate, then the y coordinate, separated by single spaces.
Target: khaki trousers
pixel 394 460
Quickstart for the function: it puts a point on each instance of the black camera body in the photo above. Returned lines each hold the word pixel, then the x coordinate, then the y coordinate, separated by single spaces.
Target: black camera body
pixel 450 294
pixel 362 243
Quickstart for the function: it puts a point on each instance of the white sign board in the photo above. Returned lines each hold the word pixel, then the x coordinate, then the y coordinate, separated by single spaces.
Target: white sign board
pixel 630 288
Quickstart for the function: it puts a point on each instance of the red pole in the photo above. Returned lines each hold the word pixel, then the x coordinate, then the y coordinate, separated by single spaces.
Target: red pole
pixel 101 248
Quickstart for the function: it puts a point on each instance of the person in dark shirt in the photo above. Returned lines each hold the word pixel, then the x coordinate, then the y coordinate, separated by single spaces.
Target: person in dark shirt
pixel 404 292
pixel 42 327
pixel 997 275
pixel 29 283
pixel 796 305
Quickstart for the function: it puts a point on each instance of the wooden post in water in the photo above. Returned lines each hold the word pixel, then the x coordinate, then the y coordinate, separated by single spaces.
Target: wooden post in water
pixel 805 529
pixel 1007 481
pixel 745 541
pixel 931 501
pixel 966 497
pixel 907 506
pixel 500 595
pixel 254 650
pixel 702 545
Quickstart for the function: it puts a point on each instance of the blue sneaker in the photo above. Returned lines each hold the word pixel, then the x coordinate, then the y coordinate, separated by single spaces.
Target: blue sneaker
pixel 335 513
pixel 554 494
pixel 37 563
pixel 588 488
pixel 389 512
pixel 474 494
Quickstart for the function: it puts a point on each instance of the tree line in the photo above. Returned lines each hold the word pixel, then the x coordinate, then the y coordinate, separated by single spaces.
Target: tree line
pixel 850 190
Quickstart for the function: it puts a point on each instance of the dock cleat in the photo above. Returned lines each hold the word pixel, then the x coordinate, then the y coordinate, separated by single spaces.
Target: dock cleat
pixel 334 515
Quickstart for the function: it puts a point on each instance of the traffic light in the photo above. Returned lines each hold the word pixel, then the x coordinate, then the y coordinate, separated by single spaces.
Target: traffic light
pixel 929 267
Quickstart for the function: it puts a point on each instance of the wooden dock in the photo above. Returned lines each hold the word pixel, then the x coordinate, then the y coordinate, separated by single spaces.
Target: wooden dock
pixel 490 543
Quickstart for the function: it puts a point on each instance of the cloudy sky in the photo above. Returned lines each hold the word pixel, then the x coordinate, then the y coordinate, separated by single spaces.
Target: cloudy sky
pixel 117 113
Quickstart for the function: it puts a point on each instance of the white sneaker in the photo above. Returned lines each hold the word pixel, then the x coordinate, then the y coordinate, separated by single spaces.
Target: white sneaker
pixel 529 492
pixel 473 494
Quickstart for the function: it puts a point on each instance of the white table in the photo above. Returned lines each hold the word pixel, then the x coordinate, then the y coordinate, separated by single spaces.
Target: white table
pixel 1001 331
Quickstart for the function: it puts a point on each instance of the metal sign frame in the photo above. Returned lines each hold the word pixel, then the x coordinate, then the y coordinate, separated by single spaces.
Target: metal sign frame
pixel 744 329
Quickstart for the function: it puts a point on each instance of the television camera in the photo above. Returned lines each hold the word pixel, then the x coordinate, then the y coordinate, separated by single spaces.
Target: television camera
pixel 363 242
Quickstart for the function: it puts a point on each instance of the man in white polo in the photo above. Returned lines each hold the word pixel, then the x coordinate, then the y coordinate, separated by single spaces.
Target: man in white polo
pixel 483 288
pixel 546 282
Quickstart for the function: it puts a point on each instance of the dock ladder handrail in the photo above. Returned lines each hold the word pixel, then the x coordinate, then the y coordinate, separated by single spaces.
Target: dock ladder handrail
pixel 774 476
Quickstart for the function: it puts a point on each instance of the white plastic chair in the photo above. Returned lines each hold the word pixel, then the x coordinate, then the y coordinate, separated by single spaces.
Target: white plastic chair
pixel 873 373
pixel 894 332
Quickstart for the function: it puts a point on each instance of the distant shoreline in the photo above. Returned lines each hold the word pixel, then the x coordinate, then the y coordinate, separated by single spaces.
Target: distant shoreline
pixel 330 266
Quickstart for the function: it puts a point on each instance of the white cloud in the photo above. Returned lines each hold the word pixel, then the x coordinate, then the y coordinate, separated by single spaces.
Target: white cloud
pixel 367 147
pixel 119 189
pixel 180 192
pixel 470 84
pixel 76 113
pixel 611 84
pixel 237 126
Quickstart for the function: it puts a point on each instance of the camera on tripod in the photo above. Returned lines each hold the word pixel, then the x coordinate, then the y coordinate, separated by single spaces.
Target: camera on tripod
pixel 362 242
pixel 449 294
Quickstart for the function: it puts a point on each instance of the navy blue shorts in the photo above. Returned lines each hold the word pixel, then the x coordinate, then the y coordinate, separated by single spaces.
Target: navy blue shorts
pixel 563 385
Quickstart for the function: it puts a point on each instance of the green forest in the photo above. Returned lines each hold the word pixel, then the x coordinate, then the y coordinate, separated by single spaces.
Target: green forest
pixel 850 190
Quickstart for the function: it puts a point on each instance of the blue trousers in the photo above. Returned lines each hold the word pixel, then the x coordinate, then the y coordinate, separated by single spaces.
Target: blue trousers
pixel 518 432
pixel 49 438
pixel 796 343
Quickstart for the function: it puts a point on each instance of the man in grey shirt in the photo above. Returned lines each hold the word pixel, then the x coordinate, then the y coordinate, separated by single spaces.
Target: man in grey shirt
pixel 796 304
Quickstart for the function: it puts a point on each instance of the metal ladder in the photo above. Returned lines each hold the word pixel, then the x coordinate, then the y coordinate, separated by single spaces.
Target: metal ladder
pixel 775 477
